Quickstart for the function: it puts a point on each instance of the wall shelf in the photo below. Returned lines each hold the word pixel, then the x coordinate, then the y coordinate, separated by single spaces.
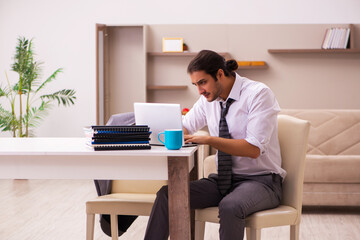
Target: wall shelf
pixel 351 50
pixel 181 54
pixel 193 54
pixel 166 87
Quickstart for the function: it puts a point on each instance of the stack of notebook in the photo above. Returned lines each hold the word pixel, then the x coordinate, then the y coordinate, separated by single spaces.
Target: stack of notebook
pixel 118 137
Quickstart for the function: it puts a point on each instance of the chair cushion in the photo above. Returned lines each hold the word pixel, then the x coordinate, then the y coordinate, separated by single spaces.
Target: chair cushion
pixel 210 214
pixel 331 194
pixel 122 204
pixel 280 216
pixel 332 169
pixel 128 197
pixel 137 186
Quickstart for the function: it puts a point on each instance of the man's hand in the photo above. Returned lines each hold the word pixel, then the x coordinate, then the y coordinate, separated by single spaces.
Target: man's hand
pixel 235 147
pixel 196 139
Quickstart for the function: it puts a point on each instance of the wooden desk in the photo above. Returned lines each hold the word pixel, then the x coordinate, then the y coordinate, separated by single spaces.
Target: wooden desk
pixel 70 158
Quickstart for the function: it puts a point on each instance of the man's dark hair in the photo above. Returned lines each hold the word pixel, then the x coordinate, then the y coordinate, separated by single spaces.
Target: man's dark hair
pixel 210 62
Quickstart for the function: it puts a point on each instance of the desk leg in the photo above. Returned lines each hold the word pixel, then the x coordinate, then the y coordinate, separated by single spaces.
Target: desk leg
pixel 179 205
pixel 194 176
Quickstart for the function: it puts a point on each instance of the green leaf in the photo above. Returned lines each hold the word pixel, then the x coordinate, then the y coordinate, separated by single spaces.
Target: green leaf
pixel 31 76
pixel 6 120
pixel 49 79
pixel 64 97
pixel 2 92
pixel 37 114
pixel 23 55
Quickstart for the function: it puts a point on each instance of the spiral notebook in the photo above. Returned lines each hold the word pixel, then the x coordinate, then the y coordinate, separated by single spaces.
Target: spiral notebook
pixel 121 137
pixel 105 147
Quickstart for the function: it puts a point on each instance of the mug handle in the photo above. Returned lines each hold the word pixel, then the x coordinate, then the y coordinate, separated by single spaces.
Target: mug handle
pixel 159 137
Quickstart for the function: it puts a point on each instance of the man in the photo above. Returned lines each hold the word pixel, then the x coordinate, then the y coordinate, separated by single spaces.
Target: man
pixel 242 119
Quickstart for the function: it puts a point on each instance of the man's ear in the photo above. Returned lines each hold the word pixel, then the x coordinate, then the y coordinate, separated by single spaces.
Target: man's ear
pixel 220 73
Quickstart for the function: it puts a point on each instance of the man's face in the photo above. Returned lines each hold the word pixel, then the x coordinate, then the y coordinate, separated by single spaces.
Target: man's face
pixel 206 84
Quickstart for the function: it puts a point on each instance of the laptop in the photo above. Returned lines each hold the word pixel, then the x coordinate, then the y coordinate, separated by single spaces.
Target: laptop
pixel 159 116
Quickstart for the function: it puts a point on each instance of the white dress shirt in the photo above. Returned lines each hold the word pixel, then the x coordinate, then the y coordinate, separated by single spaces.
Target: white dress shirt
pixel 252 116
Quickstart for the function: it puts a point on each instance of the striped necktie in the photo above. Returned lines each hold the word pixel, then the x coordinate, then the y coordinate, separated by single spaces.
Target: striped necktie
pixel 224 159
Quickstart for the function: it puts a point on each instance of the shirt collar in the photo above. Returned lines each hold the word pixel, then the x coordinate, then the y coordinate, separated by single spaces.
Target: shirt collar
pixel 235 90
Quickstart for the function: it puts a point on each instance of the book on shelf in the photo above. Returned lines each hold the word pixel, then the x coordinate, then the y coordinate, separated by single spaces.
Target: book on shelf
pixel 336 38
pixel 118 137
pixel 251 63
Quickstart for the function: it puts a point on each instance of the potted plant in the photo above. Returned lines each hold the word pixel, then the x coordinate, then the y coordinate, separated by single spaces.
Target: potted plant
pixel 27 106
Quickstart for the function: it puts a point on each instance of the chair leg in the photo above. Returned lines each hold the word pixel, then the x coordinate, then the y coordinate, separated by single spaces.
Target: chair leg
pixel 253 234
pixel 114 227
pixel 294 231
pixel 90 220
pixel 199 230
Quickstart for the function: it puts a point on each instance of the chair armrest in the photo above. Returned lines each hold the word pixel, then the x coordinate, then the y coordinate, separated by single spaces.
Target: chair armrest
pixel 209 165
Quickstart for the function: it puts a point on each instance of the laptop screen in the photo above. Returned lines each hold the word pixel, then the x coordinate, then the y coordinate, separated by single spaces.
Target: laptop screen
pixel 158 116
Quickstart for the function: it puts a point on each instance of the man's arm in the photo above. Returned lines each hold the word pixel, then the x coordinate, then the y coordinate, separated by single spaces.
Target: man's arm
pixel 235 147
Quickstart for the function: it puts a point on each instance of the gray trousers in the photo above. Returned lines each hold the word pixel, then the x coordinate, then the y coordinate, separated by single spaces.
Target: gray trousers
pixel 248 194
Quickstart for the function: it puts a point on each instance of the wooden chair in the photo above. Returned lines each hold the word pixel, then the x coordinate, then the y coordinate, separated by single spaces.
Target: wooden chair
pixel 130 197
pixel 293 137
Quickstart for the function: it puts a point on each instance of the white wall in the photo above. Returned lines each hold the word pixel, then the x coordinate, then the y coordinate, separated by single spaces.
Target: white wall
pixel 64 36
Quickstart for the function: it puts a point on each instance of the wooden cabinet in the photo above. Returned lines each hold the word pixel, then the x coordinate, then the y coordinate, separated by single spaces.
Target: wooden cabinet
pixel 130 66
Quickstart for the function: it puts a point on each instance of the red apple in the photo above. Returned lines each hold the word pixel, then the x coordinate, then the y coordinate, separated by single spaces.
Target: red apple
pixel 185 111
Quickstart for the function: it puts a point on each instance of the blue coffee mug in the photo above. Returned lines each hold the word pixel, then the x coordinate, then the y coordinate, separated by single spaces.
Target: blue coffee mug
pixel 173 138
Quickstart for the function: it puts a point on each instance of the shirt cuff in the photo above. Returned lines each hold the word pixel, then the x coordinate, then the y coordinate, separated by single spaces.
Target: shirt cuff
pixel 255 142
